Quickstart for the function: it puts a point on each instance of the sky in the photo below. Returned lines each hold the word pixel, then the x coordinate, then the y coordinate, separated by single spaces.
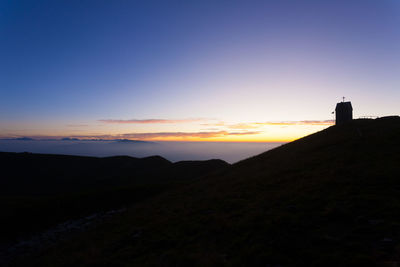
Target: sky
pixel 254 71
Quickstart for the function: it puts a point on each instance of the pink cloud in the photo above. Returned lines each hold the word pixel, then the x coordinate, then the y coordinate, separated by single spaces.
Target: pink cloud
pixel 255 125
pixel 184 134
pixel 306 122
pixel 146 136
pixel 244 133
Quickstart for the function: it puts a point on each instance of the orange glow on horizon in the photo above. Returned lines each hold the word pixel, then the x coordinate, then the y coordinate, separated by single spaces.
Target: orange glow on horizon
pixel 281 132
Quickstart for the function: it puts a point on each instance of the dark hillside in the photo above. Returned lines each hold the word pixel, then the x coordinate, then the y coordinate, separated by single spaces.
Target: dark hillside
pixel 38 191
pixel 38 174
pixel 331 198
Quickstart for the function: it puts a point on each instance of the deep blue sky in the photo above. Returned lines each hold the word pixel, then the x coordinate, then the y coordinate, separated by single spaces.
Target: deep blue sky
pixel 76 62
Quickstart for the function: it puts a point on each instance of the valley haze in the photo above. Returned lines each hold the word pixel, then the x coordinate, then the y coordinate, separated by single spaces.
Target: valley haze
pixel 230 152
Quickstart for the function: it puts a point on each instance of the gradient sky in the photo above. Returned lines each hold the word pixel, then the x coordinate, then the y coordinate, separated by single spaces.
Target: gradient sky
pixel 194 70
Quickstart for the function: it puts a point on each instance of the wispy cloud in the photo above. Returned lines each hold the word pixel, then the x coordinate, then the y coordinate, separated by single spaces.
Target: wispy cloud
pixel 237 126
pixel 255 125
pixel 184 134
pixel 221 123
pixel 243 126
pixel 151 135
pixel 305 122
pixel 324 122
pixel 220 129
pixel 152 121
pixel 244 133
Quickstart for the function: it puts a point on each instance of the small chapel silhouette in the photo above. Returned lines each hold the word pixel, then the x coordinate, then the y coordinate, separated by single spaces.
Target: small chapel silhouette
pixel 344 112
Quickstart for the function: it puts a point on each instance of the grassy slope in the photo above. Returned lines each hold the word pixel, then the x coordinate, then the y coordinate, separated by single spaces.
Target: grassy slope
pixel 331 198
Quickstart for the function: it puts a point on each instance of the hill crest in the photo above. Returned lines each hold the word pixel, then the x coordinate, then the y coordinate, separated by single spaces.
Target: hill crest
pixel 331 198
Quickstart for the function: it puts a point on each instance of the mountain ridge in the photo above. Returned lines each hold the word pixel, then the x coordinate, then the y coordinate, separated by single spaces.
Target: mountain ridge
pixel 331 198
pixel 41 190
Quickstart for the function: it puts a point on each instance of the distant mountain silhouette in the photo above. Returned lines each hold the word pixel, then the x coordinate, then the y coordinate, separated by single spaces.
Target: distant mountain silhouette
pixel 22 139
pixel 77 139
pixel 39 190
pixel 69 139
pixel 329 199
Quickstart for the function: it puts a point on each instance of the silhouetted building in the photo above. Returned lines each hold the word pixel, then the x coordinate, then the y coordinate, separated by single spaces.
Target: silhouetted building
pixel 344 112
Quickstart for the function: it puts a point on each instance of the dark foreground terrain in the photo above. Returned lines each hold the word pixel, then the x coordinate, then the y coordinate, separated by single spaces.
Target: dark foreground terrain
pixel 42 193
pixel 329 199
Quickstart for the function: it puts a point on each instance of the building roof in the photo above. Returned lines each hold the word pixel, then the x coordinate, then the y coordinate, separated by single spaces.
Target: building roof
pixel 344 106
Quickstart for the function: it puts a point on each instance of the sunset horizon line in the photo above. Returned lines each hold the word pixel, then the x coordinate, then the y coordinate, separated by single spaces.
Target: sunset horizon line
pixel 203 130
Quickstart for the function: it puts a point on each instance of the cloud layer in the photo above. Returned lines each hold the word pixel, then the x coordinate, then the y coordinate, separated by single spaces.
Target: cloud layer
pixel 255 125
pixel 152 121
pixel 218 129
pixel 162 135
pixel 146 136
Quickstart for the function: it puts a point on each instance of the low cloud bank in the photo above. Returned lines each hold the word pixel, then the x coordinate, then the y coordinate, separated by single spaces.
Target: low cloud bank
pixel 142 136
pixel 173 151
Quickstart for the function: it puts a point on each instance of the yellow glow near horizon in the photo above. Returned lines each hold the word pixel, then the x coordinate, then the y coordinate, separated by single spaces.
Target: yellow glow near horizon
pixel 272 134
pixel 218 132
